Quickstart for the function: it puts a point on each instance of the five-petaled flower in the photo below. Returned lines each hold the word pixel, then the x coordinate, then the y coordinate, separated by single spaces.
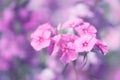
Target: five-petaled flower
pixel 65 47
pixel 41 37
pixel 85 43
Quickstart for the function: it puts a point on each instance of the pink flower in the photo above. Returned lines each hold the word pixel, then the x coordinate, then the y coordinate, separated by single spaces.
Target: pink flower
pixel 102 46
pixel 65 48
pixel 85 43
pixel 41 37
pixel 72 23
pixel 86 28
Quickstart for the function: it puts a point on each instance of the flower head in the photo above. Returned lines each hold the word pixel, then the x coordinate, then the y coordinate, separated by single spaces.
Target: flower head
pixel 41 37
pixel 65 47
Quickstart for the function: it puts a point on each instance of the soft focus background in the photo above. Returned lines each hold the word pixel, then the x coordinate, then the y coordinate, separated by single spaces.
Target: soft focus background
pixel 19 18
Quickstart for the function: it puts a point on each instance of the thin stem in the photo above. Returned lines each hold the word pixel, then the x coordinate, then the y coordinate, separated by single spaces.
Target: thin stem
pixel 84 61
pixel 63 71
pixel 75 69
pixel 100 50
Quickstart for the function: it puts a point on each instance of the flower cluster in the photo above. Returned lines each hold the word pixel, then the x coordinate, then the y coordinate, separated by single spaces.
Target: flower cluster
pixel 68 40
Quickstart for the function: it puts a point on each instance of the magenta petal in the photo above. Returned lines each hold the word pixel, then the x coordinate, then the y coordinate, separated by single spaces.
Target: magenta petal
pixel 102 46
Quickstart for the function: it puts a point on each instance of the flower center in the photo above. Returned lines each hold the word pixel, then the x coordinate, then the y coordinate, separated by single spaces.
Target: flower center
pixel 85 44
pixel 84 30
pixel 40 39
pixel 65 50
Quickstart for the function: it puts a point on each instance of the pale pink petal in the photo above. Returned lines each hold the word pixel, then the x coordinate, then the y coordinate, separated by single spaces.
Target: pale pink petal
pixel 55 50
pixel 91 44
pixel 45 43
pixel 46 34
pixel 45 26
pixel 36 45
pixel 92 29
pixel 55 45
pixel 36 33
pixel 40 45
pixel 78 45
pixel 56 38
pixel 71 45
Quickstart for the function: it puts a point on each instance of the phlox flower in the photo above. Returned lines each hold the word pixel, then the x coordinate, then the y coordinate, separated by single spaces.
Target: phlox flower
pixel 65 45
pixel 85 28
pixel 41 37
pixel 65 48
pixel 85 43
pixel 102 46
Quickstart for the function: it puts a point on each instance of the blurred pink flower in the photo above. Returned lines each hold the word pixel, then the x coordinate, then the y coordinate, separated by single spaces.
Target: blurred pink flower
pixel 85 43
pixel 23 14
pixel 117 75
pixel 102 46
pixel 34 20
pixel 6 18
pixel 9 47
pixel 41 37
pixel 8 15
pixel 3 65
pixel 66 48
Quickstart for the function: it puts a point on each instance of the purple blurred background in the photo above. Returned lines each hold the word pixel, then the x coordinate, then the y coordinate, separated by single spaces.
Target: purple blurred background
pixel 19 18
